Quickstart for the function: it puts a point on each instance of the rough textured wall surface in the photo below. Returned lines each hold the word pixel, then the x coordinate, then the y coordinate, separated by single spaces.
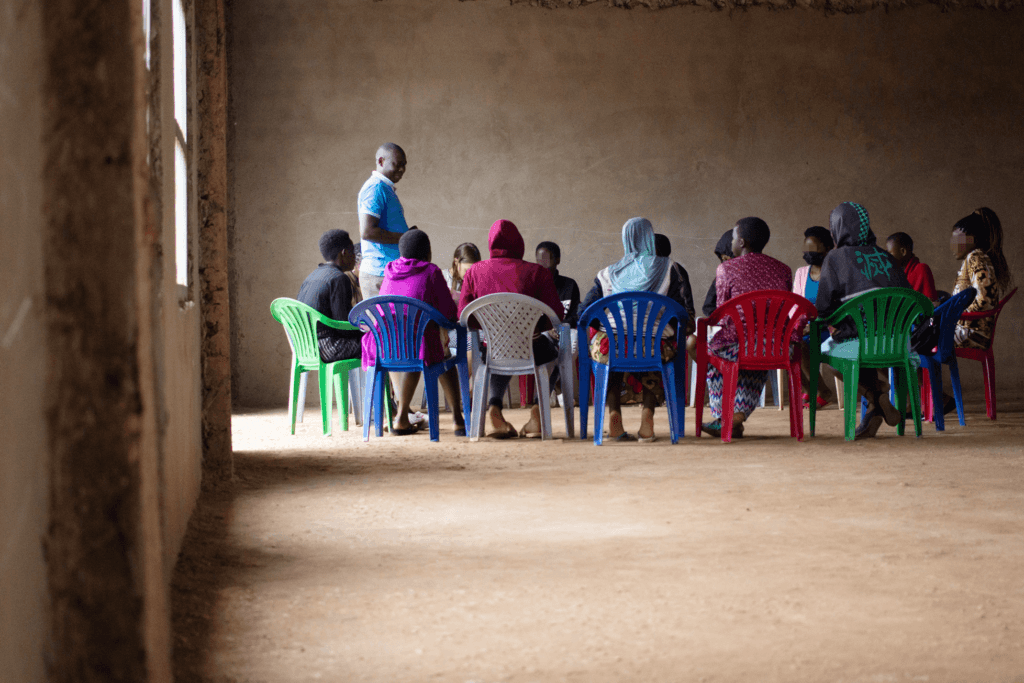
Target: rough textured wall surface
pixel 23 452
pixel 571 122
pixel 827 6
pixel 212 174
pixel 108 616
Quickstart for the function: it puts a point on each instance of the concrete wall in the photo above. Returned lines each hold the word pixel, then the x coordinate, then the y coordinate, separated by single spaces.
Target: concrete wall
pixel 23 453
pixel 569 122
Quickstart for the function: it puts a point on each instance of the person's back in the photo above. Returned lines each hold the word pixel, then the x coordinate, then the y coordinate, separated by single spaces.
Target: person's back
pixel 506 271
pixel 856 265
pixel 329 291
pixel 740 275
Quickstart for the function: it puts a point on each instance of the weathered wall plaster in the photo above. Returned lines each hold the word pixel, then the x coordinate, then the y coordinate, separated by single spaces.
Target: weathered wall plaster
pixel 23 453
pixel 570 122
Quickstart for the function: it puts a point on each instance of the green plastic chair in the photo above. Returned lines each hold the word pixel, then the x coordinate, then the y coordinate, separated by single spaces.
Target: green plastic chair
pixel 300 321
pixel 883 318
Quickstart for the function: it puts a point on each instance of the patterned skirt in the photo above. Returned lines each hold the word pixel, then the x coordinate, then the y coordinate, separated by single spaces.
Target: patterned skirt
pixel 633 383
pixel 748 387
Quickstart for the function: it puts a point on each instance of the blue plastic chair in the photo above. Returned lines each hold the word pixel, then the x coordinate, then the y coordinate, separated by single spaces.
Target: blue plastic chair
pixel 398 325
pixel 634 323
pixel 948 313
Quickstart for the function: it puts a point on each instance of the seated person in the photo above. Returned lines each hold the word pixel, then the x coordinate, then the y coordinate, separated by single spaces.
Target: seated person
pixel 900 246
pixel 466 254
pixel 506 271
pixel 663 247
pixel 978 241
pixel 723 250
pixel 549 255
pixel 329 291
pixel 843 275
pixel 747 271
pixel 817 243
pixel 414 276
pixel 639 270
pixel 353 275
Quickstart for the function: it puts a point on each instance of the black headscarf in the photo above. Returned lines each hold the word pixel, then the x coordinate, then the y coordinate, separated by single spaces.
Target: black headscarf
pixel 724 246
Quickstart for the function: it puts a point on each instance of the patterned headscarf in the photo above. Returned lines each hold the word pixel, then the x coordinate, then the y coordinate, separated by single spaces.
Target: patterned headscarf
pixel 639 270
pixel 850 226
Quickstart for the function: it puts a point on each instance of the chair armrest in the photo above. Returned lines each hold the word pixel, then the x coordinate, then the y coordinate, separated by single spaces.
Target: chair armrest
pixel 978 315
pixel 338 324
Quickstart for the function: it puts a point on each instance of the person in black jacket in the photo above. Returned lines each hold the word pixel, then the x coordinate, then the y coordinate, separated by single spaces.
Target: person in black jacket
pixel 723 250
pixel 663 247
pixel 856 265
pixel 329 291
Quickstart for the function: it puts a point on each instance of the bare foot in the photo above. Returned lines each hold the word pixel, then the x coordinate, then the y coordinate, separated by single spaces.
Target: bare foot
pixel 500 429
pixel 646 431
pixel 532 428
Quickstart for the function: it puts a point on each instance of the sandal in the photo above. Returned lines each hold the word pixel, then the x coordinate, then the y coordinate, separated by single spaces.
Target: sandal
pixel 412 429
pixel 624 437
pixel 510 433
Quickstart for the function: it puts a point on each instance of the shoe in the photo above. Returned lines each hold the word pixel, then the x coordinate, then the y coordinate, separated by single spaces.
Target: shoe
pixel 869 425
pixel 714 428
pixel 948 404
pixel 460 431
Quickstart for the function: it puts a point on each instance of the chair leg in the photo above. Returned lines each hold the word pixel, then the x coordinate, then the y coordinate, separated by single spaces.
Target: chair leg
pixel 298 377
pixel 600 400
pixel 988 370
pixel 796 409
pixel 958 395
pixel 701 372
pixel 693 383
pixel 568 379
pixel 933 371
pixel 927 402
pixel 480 382
pixel 730 380
pixel 850 411
pixel 301 404
pixel 341 391
pixel 467 402
pixel 914 393
pixel 840 395
pixel 674 378
pixel 585 368
pixel 372 378
pixel 355 393
pixel 812 408
pixel 543 390
pixel 326 398
pixel 778 382
pixel 433 414
pixel 899 382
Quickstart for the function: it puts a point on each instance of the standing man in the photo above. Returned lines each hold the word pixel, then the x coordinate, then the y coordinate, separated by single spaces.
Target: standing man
pixel 381 218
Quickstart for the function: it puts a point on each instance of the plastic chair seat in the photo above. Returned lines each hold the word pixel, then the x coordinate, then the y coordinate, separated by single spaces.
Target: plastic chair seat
pixel 635 323
pixel 509 321
pixel 766 323
pixel 398 325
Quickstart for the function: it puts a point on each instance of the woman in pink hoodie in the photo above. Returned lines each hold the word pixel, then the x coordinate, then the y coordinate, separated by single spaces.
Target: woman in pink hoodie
pixel 414 276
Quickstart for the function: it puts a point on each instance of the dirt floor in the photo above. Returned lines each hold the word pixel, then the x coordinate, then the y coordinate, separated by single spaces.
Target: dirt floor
pixel 897 559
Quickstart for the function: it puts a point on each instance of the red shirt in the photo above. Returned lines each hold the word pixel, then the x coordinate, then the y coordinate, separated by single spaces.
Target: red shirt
pixel 920 277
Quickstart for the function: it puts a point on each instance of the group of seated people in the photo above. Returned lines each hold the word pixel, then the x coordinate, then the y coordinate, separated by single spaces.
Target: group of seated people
pixel 842 261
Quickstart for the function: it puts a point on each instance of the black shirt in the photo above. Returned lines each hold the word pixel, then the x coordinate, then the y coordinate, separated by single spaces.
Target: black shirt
pixel 569 293
pixel 329 291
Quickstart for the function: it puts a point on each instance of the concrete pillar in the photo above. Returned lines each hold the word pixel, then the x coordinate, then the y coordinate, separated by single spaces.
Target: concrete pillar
pixel 212 167
pixel 109 618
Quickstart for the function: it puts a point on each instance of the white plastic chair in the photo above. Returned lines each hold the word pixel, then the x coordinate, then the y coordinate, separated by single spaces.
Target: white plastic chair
pixel 508 320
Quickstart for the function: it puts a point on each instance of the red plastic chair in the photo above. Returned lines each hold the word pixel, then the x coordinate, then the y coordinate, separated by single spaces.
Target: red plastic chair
pixel 766 323
pixel 987 358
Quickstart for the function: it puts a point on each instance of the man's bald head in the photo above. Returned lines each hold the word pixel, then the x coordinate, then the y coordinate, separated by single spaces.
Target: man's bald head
pixel 391 161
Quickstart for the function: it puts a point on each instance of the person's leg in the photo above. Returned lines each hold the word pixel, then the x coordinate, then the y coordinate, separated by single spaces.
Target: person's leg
pixel 544 351
pixel 650 402
pixel 748 395
pixel 500 428
pixel 614 405
pixel 406 389
pixel 449 382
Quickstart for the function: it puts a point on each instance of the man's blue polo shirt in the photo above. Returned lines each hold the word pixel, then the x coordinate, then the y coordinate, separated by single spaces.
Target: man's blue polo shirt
pixel 378 199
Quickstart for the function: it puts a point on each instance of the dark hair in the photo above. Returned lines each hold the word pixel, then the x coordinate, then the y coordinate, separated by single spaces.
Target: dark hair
pixel 467 252
pixel 415 244
pixel 358 249
pixel 754 232
pixel 902 239
pixel 662 245
pixel 552 248
pixel 333 242
pixel 984 226
pixel 390 148
pixel 821 234
pixel 724 245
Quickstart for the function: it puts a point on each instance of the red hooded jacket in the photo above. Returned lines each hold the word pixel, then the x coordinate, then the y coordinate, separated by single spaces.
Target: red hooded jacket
pixel 506 271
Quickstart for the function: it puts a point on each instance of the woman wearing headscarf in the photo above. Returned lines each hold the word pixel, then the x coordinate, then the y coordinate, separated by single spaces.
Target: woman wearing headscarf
pixel 413 275
pixel 639 270
pixel 845 272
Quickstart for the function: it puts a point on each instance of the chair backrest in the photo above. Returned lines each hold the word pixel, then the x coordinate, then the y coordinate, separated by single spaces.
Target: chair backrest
pixel 947 314
pixel 508 320
pixel 398 325
pixel 766 323
pixel 300 323
pixel 635 323
pixel 883 319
